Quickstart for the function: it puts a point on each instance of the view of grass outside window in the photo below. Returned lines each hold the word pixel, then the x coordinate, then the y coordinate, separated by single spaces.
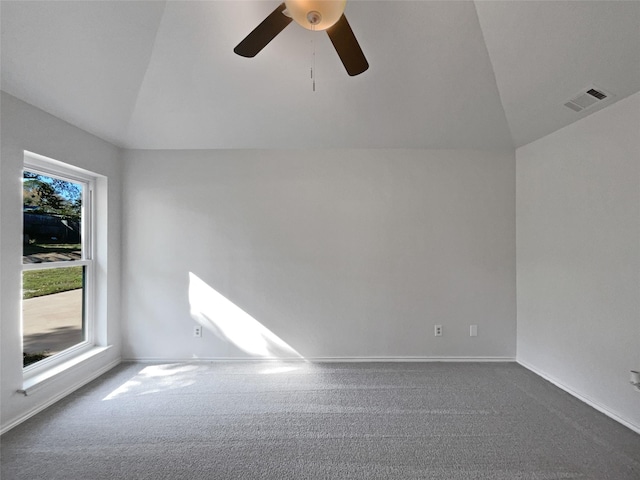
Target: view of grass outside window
pixel 54 267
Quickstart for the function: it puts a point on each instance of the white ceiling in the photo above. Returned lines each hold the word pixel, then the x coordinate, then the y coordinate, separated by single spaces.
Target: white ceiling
pixel 444 74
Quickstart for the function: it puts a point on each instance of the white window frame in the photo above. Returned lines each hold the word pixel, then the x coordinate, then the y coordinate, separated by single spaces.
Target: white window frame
pixel 55 169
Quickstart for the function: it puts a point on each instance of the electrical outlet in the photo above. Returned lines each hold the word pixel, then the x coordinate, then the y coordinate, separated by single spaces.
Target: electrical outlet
pixel 197 331
pixel 473 331
pixel 437 330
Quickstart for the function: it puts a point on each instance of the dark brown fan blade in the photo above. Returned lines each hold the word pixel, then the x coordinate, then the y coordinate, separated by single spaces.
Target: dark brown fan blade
pixel 347 47
pixel 263 33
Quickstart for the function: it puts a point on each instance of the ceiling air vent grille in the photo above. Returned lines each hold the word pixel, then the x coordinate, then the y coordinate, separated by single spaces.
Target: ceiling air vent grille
pixel 587 98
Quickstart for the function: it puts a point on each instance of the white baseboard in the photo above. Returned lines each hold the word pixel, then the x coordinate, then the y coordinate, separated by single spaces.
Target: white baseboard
pixel 59 396
pixel 318 359
pixel 408 359
pixel 584 398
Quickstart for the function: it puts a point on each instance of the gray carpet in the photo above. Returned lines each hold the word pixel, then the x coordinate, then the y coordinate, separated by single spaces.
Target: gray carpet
pixel 279 421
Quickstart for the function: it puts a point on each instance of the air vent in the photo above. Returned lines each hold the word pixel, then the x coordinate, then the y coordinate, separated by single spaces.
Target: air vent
pixel 588 98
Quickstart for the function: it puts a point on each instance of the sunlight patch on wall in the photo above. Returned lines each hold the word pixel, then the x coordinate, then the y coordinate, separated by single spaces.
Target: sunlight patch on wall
pixel 232 324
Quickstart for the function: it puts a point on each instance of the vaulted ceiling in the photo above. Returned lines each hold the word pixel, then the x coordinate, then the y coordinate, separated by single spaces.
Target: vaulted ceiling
pixel 444 74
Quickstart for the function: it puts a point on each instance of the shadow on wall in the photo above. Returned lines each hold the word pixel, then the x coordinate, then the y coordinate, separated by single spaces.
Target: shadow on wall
pixel 232 324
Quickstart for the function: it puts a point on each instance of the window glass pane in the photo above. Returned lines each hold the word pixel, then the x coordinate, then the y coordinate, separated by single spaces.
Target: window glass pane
pixel 52 311
pixel 52 218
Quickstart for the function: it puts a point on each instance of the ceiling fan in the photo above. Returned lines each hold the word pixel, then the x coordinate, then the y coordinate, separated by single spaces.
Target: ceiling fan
pixel 314 15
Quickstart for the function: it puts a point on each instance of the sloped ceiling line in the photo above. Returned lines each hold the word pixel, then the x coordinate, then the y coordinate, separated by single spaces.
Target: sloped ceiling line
pixel 489 75
pixel 545 52
pixel 146 70
pixel 506 120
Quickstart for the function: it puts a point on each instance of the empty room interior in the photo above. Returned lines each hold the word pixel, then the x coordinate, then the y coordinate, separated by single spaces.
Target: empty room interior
pixel 241 242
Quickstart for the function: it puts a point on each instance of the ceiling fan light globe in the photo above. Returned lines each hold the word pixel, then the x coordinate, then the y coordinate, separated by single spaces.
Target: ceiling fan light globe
pixel 304 12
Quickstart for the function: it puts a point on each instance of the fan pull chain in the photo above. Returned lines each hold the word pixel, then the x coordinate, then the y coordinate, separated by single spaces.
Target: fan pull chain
pixel 313 60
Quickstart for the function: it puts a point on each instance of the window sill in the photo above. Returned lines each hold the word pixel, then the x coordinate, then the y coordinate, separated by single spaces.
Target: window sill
pixel 36 382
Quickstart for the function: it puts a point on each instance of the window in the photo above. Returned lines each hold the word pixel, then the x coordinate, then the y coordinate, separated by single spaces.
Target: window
pixel 57 262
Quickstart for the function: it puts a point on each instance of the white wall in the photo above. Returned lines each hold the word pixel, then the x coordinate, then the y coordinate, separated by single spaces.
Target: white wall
pixel 358 253
pixel 578 257
pixel 27 128
pixel 340 253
